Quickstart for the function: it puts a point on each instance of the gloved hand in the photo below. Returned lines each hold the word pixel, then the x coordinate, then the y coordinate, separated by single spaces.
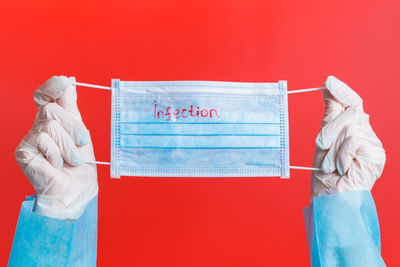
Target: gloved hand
pixel 350 155
pixel 53 153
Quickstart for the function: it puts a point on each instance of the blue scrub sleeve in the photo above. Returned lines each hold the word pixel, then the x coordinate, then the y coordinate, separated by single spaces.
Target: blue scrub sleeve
pixel 45 241
pixel 343 230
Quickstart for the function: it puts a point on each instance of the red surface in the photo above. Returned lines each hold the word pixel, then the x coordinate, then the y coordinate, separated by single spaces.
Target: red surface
pixel 202 222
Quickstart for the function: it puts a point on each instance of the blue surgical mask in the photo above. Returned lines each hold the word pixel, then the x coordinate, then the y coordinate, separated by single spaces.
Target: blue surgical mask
pixel 199 129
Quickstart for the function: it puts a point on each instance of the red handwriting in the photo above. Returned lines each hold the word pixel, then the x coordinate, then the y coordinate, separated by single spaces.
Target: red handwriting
pixel 192 112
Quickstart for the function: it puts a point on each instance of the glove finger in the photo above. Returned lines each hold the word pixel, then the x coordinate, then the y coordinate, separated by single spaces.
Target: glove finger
pixel 329 133
pixel 44 178
pixel 371 155
pixel 346 139
pixel 68 99
pixel 72 124
pixel 342 92
pixel 25 152
pixel 51 90
pixel 49 149
pixel 346 154
pixel 365 167
pixel 332 108
pixel 329 162
pixel 361 144
pixel 33 144
pixel 66 145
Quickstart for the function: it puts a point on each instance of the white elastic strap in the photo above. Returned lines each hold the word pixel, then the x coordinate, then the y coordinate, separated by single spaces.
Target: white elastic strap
pixel 99 87
pixel 289 92
pixel 93 86
pixel 98 162
pixel 305 90
pixel 304 168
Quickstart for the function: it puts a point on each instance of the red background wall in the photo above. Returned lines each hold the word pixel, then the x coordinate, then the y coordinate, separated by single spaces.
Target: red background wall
pixel 202 222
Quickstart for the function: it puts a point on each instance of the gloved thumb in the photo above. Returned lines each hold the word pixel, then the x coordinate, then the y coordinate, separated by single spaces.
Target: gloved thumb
pixel 342 92
pixel 338 97
pixel 346 154
pixel 68 99
pixel 59 89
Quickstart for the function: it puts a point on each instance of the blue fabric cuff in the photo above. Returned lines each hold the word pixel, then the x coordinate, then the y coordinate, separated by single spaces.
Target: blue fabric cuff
pixel 45 241
pixel 343 230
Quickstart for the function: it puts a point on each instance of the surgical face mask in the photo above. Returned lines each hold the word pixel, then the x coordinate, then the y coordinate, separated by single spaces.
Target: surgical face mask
pixel 199 129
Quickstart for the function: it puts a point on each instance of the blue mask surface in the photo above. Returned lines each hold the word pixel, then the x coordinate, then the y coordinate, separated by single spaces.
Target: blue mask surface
pixel 200 129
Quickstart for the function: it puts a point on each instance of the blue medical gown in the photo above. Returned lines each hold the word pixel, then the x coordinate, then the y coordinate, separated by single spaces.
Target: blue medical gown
pixel 45 241
pixel 343 230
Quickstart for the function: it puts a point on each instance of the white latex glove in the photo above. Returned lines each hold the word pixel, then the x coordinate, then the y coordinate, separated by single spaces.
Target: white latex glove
pixel 350 155
pixel 51 155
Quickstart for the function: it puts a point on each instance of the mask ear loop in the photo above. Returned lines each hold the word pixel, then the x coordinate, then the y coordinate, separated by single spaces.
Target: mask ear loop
pixel 288 92
pixel 92 85
pixel 305 91
pixel 304 168
pixel 98 87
